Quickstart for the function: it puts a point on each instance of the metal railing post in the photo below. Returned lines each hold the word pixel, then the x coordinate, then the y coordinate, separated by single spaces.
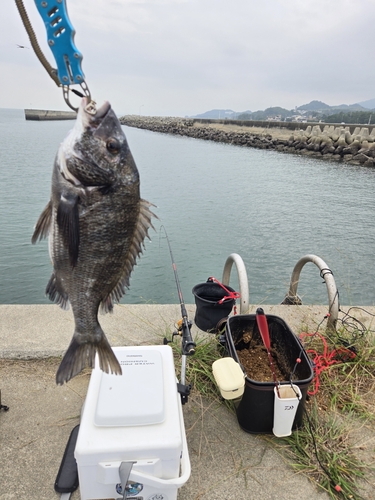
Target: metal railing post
pixel 234 258
pixel 327 275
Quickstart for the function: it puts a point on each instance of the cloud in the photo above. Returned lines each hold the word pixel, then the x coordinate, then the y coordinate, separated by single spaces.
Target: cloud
pixel 186 56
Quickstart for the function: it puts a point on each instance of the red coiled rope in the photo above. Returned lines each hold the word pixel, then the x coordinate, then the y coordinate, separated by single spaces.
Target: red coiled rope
pixel 326 360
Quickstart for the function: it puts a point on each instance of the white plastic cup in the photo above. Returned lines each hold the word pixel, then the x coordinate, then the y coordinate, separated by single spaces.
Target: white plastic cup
pixel 285 409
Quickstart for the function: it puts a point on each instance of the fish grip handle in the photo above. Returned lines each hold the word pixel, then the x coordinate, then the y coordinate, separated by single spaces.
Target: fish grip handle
pixel 60 38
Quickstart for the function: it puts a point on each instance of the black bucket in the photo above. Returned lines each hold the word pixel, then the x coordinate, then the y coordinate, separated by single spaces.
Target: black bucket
pixel 209 311
pixel 256 408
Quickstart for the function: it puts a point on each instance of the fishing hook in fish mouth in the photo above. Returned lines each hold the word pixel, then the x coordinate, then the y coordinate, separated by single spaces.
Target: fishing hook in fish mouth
pixel 91 107
pixel 86 93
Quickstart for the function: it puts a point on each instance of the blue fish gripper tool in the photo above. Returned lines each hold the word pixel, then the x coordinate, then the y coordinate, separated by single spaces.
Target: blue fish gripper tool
pixel 60 38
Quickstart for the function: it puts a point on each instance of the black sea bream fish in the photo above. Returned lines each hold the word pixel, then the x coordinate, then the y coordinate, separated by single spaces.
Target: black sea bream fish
pixel 96 222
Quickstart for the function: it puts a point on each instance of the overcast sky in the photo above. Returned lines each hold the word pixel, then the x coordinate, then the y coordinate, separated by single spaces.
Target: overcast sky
pixel 184 57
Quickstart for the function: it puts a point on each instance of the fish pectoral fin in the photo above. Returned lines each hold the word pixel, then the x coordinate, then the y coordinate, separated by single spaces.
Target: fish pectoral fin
pixel 68 223
pixel 44 223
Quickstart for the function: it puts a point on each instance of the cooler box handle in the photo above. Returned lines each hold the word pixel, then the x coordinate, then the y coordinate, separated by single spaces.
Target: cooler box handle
pixel 141 477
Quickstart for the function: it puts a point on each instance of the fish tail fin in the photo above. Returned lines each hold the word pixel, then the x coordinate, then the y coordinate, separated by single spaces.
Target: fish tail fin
pixel 78 356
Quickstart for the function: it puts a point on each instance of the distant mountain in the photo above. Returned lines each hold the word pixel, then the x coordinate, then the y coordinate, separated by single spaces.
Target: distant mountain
pixel 220 114
pixel 348 107
pixel 323 107
pixel 313 110
pixel 314 106
pixel 370 104
pixel 274 113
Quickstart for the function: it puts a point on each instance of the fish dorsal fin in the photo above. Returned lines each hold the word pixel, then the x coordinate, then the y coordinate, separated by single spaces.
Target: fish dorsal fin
pixel 43 225
pixel 136 248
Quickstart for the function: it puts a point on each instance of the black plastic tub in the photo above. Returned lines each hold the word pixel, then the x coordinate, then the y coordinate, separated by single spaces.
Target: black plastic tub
pixel 255 410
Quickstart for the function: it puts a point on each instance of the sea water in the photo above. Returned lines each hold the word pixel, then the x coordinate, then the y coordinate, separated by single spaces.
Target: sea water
pixel 213 200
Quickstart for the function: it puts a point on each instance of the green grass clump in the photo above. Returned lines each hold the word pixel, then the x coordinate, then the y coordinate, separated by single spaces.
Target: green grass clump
pixel 322 450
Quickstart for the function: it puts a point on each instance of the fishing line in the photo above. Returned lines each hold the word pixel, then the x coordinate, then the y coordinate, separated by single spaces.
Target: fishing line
pixel 361 330
pixel 324 469
pixel 337 487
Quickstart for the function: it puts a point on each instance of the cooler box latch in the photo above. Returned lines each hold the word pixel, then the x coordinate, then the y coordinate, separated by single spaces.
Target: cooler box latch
pixel 125 470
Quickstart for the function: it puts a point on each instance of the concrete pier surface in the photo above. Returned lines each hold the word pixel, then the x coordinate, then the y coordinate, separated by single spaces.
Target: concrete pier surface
pixel 226 462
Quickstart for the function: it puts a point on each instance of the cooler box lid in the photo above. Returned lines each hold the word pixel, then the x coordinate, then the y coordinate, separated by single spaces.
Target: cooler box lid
pixel 134 416
pixel 137 396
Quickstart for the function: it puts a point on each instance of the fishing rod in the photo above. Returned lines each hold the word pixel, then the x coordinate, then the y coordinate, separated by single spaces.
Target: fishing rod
pixel 184 330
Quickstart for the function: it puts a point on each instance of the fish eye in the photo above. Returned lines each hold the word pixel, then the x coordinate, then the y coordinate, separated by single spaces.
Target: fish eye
pixel 113 145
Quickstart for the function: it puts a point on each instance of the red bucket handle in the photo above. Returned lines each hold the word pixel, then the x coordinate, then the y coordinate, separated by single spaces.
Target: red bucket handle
pixel 230 296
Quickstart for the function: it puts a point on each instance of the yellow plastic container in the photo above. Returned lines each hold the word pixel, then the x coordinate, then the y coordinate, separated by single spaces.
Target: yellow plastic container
pixel 229 378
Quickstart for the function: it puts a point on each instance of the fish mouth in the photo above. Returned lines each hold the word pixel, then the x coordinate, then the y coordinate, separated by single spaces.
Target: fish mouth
pixel 103 110
pixel 92 112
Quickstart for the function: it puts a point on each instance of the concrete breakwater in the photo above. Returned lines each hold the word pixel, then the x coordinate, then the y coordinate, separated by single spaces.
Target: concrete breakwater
pixel 46 114
pixel 352 144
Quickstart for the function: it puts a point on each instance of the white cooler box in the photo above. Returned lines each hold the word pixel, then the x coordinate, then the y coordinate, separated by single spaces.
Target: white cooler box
pixel 136 417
